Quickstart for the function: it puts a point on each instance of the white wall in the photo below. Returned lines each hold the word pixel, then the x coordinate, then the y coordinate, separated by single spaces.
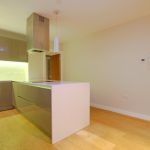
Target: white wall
pixel 111 62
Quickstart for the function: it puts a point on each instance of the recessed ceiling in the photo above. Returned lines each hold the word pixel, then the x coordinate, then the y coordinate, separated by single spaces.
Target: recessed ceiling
pixel 77 17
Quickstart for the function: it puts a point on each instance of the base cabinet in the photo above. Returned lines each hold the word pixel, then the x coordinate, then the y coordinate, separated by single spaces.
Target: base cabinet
pixel 35 104
pixel 5 95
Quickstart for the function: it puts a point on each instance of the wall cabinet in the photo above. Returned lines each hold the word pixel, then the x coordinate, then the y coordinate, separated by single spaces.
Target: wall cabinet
pixel 5 95
pixel 13 49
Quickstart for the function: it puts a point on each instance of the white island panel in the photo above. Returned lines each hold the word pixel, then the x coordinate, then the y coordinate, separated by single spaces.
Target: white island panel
pixel 70 109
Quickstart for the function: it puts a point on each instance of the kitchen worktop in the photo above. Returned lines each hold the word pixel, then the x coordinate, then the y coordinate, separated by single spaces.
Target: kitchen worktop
pixel 49 84
pixel 5 81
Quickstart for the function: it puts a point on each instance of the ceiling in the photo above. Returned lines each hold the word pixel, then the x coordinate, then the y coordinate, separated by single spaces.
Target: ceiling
pixel 76 18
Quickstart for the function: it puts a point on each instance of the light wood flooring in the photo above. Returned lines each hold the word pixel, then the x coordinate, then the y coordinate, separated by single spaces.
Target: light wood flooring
pixel 107 131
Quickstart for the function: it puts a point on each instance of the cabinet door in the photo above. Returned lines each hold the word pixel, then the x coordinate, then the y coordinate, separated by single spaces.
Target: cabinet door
pixel 19 52
pixel 5 94
pixel 23 55
pixel 5 48
pixel 12 49
pixel 54 67
pixel 35 104
pixel 14 52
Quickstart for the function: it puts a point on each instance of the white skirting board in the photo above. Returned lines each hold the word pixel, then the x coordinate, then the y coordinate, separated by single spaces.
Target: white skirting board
pixel 121 111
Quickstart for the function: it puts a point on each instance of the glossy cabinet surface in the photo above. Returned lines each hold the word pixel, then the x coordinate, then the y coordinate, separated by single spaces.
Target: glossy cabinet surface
pixel 5 95
pixel 35 104
pixel 12 49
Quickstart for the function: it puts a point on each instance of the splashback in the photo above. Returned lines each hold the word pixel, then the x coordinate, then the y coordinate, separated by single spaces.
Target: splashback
pixel 16 71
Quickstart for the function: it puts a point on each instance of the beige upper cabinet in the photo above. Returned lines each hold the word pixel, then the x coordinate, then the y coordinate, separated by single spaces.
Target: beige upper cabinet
pixel 37 32
pixel 5 48
pixel 19 52
pixel 13 49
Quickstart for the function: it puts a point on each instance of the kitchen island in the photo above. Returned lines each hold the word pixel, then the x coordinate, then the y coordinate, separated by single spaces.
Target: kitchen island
pixel 57 108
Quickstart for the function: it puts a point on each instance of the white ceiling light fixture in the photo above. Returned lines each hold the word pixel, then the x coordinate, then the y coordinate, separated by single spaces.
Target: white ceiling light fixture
pixel 56 39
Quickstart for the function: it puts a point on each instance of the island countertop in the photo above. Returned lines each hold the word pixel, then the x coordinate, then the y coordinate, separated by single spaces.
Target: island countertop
pixel 48 84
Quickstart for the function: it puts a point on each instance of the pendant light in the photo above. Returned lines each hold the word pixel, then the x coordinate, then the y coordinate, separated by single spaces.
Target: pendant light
pixel 56 39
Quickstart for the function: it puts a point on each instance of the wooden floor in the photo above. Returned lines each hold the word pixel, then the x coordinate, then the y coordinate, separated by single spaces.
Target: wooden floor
pixel 107 131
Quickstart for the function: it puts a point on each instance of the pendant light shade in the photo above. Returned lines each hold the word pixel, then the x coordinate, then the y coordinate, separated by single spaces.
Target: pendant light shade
pixel 56 39
pixel 56 44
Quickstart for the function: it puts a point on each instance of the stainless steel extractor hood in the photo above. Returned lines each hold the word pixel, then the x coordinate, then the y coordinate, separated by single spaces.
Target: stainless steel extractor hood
pixel 37 33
